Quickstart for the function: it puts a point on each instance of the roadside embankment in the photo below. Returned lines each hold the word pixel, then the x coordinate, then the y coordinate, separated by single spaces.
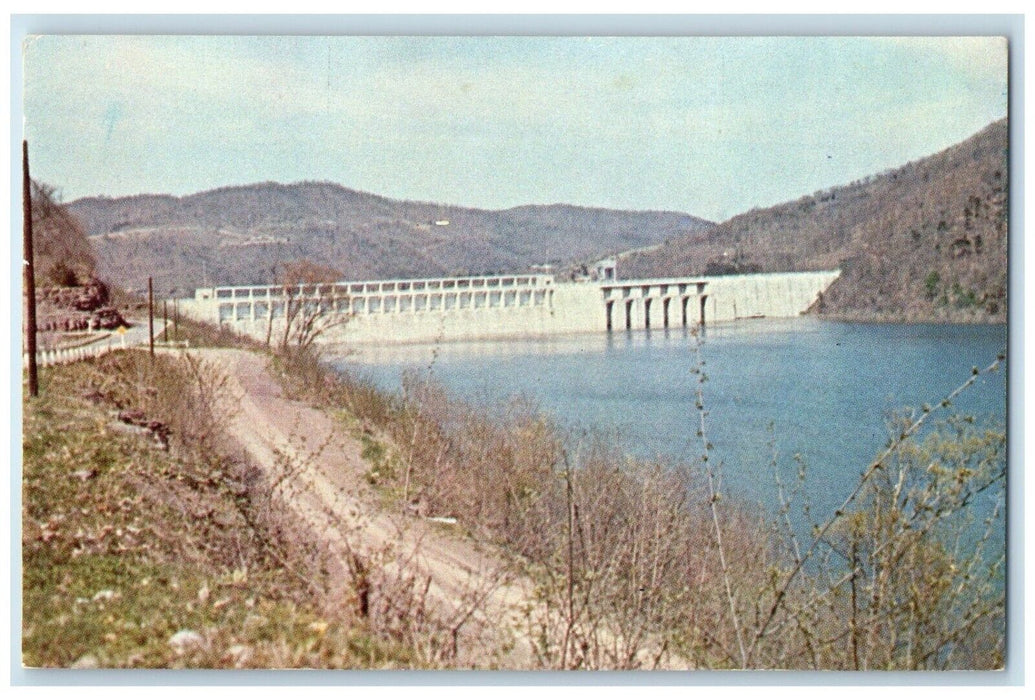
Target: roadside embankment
pixel 243 541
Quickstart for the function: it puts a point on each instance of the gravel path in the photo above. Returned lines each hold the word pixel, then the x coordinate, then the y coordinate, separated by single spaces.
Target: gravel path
pixel 318 469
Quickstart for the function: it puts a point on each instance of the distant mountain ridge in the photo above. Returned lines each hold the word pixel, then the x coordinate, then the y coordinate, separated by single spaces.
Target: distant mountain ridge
pixel 926 241
pixel 923 242
pixel 240 235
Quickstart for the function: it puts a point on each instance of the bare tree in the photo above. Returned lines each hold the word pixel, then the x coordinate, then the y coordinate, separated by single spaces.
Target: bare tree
pixel 310 302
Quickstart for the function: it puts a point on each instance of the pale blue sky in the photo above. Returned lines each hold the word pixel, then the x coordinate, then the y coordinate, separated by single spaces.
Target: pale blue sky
pixel 710 126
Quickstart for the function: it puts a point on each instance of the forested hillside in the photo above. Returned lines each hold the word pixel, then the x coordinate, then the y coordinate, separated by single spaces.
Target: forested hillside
pixel 244 235
pixel 926 241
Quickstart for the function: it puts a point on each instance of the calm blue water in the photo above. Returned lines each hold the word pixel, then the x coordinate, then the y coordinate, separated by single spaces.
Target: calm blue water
pixel 825 388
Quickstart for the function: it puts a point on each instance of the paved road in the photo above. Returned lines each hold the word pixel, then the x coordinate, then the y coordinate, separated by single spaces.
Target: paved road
pixel 135 335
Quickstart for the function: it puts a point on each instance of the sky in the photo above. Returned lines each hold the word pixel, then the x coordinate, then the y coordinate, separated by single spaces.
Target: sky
pixel 710 126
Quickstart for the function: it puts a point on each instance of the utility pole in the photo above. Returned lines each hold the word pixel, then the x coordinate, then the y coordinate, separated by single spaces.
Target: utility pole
pixel 151 318
pixel 165 319
pixel 29 273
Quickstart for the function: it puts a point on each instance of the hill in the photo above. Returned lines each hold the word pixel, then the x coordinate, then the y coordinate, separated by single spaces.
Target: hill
pixel 243 235
pixel 925 241
pixel 61 250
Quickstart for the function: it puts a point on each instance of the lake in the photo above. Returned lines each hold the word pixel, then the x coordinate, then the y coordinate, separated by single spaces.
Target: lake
pixel 819 389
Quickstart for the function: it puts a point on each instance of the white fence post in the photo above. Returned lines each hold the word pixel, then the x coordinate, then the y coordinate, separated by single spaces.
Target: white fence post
pixel 62 356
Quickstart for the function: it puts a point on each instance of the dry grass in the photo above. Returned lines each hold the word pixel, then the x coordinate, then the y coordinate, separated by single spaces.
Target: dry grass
pixel 138 556
pixel 645 565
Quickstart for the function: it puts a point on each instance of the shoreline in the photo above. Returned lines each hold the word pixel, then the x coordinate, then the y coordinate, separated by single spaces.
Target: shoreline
pixel 876 318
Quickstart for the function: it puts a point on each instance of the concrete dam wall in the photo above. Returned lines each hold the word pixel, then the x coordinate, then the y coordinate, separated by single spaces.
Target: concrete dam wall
pixel 773 295
pixel 476 308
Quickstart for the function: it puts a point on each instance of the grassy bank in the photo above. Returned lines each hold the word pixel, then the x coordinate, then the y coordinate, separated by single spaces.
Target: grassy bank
pixel 139 555
pixel 199 334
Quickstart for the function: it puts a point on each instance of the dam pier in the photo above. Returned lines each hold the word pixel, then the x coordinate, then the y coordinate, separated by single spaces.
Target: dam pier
pixel 503 306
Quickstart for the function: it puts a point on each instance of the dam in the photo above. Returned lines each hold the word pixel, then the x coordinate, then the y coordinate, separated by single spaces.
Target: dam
pixel 500 306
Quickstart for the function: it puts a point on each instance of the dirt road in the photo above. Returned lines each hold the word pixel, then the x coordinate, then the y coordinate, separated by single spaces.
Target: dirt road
pixel 408 568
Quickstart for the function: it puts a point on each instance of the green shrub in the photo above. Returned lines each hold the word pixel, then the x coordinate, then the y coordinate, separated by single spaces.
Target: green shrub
pixel 931 283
